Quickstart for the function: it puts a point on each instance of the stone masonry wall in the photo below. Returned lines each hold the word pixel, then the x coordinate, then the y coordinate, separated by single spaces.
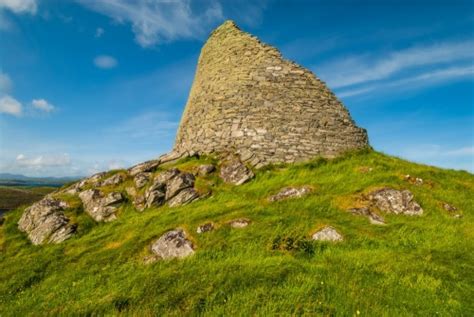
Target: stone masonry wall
pixel 247 99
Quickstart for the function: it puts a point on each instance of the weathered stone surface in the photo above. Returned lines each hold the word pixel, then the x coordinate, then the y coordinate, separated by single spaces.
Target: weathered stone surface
pixel 366 212
pixel 239 223
pixel 94 180
pixel 176 184
pixel 396 201
pixel 235 172
pixel 167 175
pixel 290 192
pixel 113 180
pixel 155 195
pixel 206 169
pixel 209 226
pixel 141 179
pixel 45 222
pixel 173 244
pixel 328 233
pixel 185 196
pixel 247 98
pixel 139 202
pixel 99 206
pixel 148 166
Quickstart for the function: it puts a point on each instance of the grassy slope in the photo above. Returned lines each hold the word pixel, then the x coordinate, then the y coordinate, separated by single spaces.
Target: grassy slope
pixel 412 266
pixel 13 197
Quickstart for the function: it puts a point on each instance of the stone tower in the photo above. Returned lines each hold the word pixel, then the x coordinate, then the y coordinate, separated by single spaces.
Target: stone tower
pixel 247 99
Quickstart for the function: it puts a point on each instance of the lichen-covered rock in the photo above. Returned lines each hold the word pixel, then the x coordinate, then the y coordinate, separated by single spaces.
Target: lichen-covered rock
pixel 235 172
pixel 173 244
pixel 396 201
pixel 366 212
pixel 290 192
pixel 113 180
pixel 45 222
pixel 167 175
pixel 148 166
pixel 99 206
pixel 155 194
pixel 328 233
pixel 141 179
pixel 178 183
pixel 205 169
pixel 209 226
pixel 94 180
pixel 184 196
pixel 139 201
pixel 239 223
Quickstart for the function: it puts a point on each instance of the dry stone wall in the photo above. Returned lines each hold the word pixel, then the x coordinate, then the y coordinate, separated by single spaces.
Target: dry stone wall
pixel 247 99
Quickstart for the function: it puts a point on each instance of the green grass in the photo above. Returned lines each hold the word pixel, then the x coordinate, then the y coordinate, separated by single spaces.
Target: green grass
pixel 12 197
pixel 413 266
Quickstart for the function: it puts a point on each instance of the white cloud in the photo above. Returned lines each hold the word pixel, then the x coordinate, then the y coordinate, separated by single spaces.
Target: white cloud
pixel 155 21
pixel 42 161
pixel 5 83
pixel 42 105
pixel 10 105
pixel 99 32
pixel 20 6
pixel 105 61
pixel 414 82
pixel 360 69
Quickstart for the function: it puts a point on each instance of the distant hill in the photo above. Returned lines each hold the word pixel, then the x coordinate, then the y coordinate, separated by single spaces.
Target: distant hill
pixel 7 179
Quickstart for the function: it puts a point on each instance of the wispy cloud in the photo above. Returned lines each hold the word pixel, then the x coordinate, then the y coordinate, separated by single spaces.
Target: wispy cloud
pixel 41 161
pixel 20 6
pixel 414 82
pixel 362 69
pixel 42 105
pixel 5 83
pixel 11 106
pixel 155 21
pixel 105 61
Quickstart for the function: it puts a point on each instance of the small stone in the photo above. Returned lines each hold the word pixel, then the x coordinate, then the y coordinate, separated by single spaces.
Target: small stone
pixel 99 206
pixel 184 197
pixel 239 223
pixel 141 179
pixel 148 166
pixel 290 192
pixel 365 211
pixel 173 244
pixel 206 169
pixel 396 201
pixel 449 207
pixel 209 226
pixel 414 180
pixel 235 172
pixel 328 233
pixel 113 180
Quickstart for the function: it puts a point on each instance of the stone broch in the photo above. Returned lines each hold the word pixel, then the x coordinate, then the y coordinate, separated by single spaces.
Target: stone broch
pixel 247 99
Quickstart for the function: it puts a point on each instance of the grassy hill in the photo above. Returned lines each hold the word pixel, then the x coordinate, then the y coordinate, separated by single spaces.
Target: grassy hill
pixel 411 266
pixel 13 197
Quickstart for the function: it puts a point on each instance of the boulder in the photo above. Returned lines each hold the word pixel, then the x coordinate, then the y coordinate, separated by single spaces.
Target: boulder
pixel 139 202
pixel 113 180
pixel 99 206
pixel 328 233
pixel 290 192
pixel 148 166
pixel 173 244
pixel 206 169
pixel 365 211
pixel 185 196
pixel 94 180
pixel 239 223
pixel 141 179
pixel 167 175
pixel 45 222
pixel 209 226
pixel 235 172
pixel 155 194
pixel 396 201
pixel 178 183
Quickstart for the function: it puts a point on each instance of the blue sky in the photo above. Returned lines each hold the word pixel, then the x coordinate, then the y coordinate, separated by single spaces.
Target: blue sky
pixel 91 85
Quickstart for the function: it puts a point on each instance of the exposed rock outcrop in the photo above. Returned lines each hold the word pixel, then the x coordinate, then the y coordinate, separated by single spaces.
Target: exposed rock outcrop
pixel 205 169
pixel 99 206
pixel 173 244
pixel 234 171
pixel 148 166
pixel 45 222
pixel 328 233
pixel 396 201
pixel 290 192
